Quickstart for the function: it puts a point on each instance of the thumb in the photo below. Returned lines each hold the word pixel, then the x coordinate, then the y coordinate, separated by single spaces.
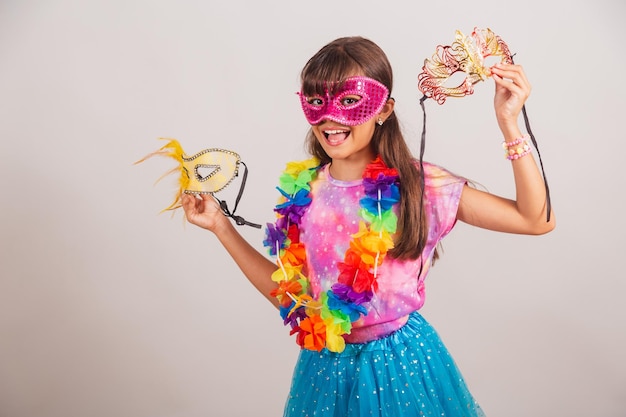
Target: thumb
pixel 188 202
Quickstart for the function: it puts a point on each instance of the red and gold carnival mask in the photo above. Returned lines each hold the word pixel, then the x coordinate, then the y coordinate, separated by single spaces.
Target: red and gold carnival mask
pixel 466 54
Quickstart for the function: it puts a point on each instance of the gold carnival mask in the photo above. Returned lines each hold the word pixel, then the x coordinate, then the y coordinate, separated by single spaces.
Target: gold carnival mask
pixel 207 172
pixel 466 54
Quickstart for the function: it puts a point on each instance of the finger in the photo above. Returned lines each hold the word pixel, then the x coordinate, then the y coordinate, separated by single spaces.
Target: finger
pixel 187 201
pixel 515 73
pixel 508 67
pixel 512 81
pixel 510 86
pixel 190 206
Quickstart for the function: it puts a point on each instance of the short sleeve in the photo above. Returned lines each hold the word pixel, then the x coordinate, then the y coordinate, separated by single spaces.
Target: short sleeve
pixel 442 197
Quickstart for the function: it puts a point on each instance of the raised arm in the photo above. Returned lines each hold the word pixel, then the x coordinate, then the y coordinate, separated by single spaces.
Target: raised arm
pixel 205 213
pixel 527 213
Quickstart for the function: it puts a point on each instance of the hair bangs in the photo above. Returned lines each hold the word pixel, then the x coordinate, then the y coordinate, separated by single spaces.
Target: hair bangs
pixel 328 72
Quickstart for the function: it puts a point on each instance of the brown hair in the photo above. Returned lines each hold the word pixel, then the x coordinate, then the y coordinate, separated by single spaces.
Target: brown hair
pixel 356 55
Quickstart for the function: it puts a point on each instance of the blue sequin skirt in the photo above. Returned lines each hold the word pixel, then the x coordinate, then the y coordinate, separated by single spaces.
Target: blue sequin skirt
pixel 408 373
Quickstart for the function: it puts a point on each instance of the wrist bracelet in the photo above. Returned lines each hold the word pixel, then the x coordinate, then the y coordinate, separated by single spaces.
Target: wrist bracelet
pixel 517 153
pixel 507 145
pixel 513 151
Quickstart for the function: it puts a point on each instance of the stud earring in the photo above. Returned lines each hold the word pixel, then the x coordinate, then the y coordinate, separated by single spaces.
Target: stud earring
pixel 380 121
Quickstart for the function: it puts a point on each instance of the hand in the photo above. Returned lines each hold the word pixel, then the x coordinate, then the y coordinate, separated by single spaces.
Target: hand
pixel 203 211
pixel 512 90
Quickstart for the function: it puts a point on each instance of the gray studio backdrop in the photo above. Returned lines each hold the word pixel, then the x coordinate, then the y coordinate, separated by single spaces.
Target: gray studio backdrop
pixel 109 309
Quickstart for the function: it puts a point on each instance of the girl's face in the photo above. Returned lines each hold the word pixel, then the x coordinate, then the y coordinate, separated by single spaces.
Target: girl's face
pixel 344 121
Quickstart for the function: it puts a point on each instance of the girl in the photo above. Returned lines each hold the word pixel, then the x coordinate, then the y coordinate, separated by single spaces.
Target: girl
pixel 357 231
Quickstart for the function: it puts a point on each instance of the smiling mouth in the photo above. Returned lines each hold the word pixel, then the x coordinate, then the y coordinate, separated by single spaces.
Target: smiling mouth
pixel 336 137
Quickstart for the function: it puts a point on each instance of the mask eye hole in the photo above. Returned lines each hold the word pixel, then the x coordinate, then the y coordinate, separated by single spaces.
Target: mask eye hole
pixel 350 100
pixel 456 79
pixel 315 101
pixel 205 171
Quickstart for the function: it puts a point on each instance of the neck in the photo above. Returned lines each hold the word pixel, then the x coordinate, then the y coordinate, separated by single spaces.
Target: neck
pixel 349 169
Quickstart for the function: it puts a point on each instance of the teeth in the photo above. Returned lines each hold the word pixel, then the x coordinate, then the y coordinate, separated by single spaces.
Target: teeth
pixel 334 132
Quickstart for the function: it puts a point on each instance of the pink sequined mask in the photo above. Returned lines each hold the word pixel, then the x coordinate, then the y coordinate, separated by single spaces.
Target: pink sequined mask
pixel 356 101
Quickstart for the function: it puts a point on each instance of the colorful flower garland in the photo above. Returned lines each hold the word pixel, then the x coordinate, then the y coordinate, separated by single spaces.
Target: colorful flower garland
pixel 321 323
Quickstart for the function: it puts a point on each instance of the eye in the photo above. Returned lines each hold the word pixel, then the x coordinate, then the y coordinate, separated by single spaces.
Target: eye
pixel 350 100
pixel 315 101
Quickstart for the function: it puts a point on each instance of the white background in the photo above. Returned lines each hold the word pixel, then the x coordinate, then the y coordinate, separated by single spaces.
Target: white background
pixel 109 309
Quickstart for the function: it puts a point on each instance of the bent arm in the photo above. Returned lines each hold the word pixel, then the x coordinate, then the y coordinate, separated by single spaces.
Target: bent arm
pixel 527 214
pixel 524 215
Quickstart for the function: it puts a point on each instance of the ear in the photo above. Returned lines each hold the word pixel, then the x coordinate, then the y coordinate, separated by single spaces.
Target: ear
pixel 387 109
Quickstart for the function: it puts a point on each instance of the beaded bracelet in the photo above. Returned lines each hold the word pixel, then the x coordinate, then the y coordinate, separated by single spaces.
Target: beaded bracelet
pixel 516 142
pixel 513 151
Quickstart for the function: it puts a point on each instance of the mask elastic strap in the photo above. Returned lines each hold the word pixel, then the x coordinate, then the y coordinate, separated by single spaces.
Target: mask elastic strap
pixel 545 180
pixel 534 141
pixel 224 206
pixel 422 179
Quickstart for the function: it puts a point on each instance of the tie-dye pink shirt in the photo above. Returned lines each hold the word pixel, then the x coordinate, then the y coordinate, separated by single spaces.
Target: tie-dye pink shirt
pixel 333 217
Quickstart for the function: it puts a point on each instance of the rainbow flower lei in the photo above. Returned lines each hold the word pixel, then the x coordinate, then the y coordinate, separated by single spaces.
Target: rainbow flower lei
pixel 321 323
